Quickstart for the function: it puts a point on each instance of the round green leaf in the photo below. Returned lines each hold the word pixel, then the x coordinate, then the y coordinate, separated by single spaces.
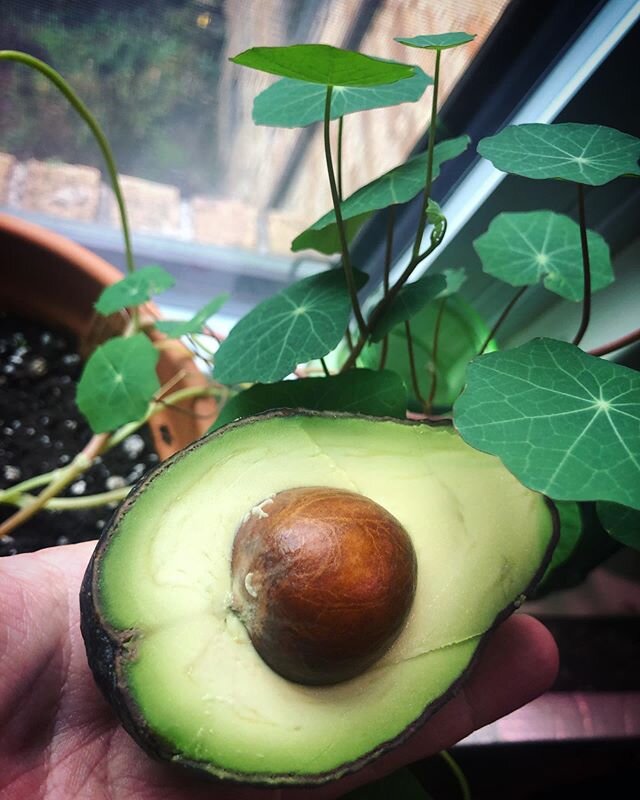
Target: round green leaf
pixel 565 423
pixel 523 249
pixel 118 382
pixel 304 321
pixel 138 287
pixel 399 185
pixel 438 41
pixel 359 391
pixel 590 154
pixel 621 522
pixel 179 328
pixel 322 63
pixel 294 104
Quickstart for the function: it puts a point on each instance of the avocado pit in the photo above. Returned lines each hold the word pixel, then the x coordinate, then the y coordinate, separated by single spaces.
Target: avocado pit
pixel 323 580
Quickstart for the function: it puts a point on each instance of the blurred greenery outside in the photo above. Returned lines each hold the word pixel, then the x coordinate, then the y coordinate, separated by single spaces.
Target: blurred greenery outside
pixel 148 71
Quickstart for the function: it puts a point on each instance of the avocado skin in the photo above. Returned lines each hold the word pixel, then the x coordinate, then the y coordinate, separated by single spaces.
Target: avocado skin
pixel 104 646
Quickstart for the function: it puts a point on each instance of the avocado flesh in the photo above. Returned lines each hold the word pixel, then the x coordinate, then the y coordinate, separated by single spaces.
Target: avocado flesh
pixel 188 671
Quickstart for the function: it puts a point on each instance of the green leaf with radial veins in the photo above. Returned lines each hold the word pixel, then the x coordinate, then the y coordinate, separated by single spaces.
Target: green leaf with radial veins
pixel 411 299
pixel 399 185
pixel 294 104
pixel 118 382
pixel 304 321
pixel 620 522
pixel 590 154
pixel 438 41
pixel 359 391
pixel 523 249
pixel 136 288
pixel 196 323
pixel 565 423
pixel 322 63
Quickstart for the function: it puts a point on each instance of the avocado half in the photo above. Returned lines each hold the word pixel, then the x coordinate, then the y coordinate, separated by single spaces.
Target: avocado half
pixel 178 665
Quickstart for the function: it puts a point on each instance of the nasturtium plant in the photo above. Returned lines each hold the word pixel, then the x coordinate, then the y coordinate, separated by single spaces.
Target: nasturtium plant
pixel 290 103
pixel 621 522
pixel 177 328
pixel 399 185
pixel 565 423
pixel 587 154
pixel 526 248
pixel 324 64
pixel 300 323
pixel 378 393
pixel 462 333
pixel 134 289
pixel 411 299
pixel 437 41
pixel 118 382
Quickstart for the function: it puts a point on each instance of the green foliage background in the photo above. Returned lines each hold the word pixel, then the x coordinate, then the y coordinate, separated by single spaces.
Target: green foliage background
pixel 147 70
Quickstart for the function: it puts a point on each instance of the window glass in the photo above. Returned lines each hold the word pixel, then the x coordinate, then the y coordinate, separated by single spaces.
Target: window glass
pixel 194 166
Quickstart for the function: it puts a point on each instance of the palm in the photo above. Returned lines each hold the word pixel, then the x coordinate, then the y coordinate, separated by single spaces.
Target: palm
pixel 59 739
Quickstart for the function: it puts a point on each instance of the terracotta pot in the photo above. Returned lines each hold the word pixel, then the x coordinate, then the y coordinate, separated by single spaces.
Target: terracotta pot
pixel 50 278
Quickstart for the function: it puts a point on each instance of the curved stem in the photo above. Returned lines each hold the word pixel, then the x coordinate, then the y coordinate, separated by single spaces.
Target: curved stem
pixel 75 503
pixel 388 256
pixel 422 220
pixel 59 479
pixel 8 495
pixel 385 303
pixel 339 158
pixel 465 790
pixel 502 318
pixel 79 464
pixel 412 366
pixel 60 84
pixel 586 268
pixel 346 261
pixel 434 355
pixel 617 344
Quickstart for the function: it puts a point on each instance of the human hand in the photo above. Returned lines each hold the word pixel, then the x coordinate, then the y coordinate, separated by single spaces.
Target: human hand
pixel 59 739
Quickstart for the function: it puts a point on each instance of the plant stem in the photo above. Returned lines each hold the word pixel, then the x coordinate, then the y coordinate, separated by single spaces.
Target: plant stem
pixel 388 255
pixel 422 220
pixel 74 503
pixel 385 303
pixel 65 476
pixel 346 261
pixel 617 344
pixel 59 479
pixel 586 267
pixel 459 775
pixel 325 368
pixel 339 158
pixel 60 84
pixel 412 365
pixel 502 318
pixel 349 338
pixel 434 355
pixel 7 495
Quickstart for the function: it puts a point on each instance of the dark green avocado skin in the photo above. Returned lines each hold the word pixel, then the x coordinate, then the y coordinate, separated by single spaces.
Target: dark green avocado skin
pixel 104 645
pixel 102 648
